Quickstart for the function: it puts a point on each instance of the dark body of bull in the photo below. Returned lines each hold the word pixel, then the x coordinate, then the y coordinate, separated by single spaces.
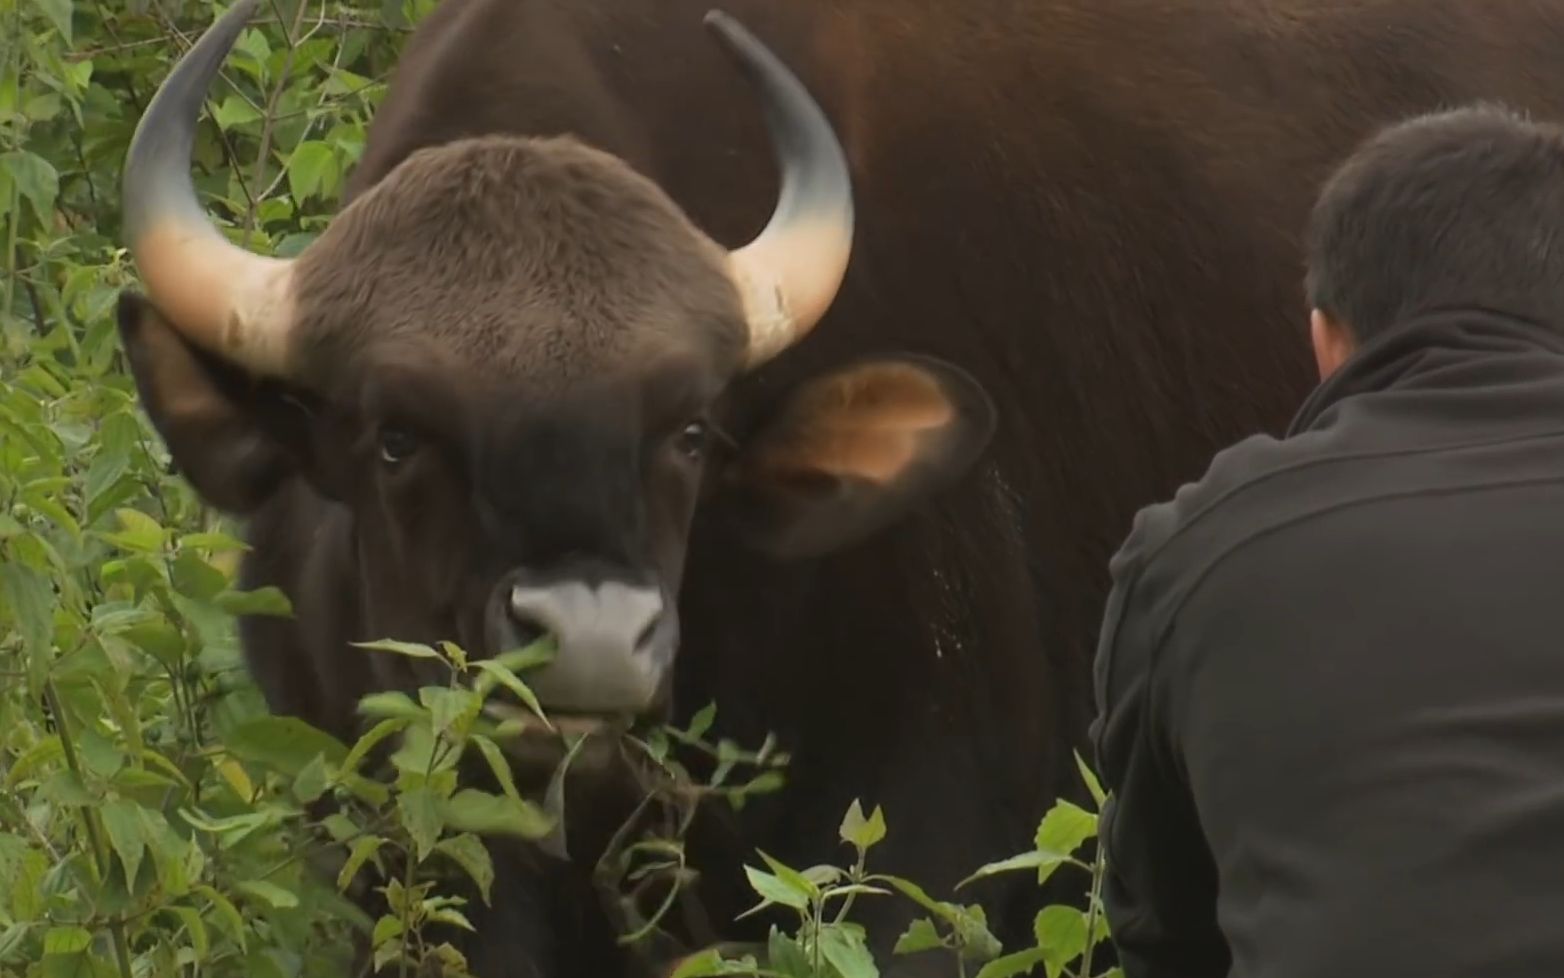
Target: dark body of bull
pixel 1091 206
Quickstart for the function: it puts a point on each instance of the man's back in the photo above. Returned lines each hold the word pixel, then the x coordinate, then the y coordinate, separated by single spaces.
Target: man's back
pixel 1349 649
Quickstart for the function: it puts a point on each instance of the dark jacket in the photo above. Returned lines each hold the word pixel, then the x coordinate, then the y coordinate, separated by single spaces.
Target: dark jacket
pixel 1331 680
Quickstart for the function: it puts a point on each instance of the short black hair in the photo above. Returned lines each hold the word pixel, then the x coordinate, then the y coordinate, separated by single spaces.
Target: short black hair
pixel 1459 207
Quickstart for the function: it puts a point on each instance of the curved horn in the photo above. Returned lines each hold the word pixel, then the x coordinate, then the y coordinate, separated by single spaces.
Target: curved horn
pixel 223 298
pixel 789 275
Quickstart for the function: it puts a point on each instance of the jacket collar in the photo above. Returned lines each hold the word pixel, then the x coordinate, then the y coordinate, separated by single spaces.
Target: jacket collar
pixel 1450 347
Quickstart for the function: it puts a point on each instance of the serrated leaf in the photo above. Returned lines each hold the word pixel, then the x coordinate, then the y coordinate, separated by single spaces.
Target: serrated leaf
pixel 773 890
pixel 66 940
pixel 367 742
pixel 226 913
pixel 1093 786
pixel 1044 862
pixel 235 111
pixel 30 600
pixel 200 941
pixel 468 852
pixel 414 650
pixel 512 682
pixel 847 953
pixel 1065 828
pixel 310 783
pixel 362 849
pixel 421 817
pixel 312 169
pixel 1010 965
pixel 270 893
pixel 921 935
pixel 285 744
pixel 470 810
pixel 122 820
pixel 193 577
pixel 138 532
pixel 702 721
pixel 451 711
pixel 268 600
pixel 34 177
pixel 498 764
pixel 1061 933
pixel 859 831
pixel 59 14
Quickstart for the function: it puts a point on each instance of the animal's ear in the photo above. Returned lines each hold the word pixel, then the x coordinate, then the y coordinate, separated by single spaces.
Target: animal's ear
pixel 848 452
pixel 233 438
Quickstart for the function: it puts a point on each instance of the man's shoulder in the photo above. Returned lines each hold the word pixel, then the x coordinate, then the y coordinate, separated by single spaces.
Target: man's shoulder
pixel 1260 464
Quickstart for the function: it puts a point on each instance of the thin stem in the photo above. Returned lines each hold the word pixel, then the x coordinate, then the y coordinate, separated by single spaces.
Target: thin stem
pixel 1098 866
pixel 89 819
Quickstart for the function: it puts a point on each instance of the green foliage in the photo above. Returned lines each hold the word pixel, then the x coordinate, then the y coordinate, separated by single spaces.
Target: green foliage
pixel 825 944
pixel 154 819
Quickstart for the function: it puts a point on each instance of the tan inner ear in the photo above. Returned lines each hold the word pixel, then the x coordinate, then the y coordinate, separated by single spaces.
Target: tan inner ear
pixel 872 423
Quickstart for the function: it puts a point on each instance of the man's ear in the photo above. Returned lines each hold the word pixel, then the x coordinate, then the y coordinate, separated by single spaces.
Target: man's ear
pixel 234 438
pixel 849 452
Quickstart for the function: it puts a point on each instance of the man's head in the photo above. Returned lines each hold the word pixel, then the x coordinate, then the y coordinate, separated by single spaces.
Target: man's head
pixel 1463 207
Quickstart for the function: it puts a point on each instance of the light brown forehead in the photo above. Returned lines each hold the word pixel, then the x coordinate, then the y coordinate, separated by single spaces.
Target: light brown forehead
pixel 541 259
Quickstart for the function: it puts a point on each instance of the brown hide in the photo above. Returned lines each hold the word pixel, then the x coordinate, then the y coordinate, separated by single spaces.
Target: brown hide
pixel 1091 206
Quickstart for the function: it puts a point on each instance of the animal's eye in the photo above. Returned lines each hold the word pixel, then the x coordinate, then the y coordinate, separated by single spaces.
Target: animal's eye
pixel 692 439
pixel 396 444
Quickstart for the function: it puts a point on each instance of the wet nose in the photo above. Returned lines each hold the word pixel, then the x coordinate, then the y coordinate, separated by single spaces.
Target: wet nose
pixel 612 642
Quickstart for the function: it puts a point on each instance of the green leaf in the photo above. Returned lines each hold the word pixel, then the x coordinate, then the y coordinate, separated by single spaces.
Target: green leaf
pixel 195 578
pixel 1061 933
pixel 1093 786
pixel 122 820
pixel 859 831
pixel 226 913
pixel 312 169
pixel 266 600
pixel 791 877
pixel 362 849
pixel 468 852
pixel 773 890
pixel 66 940
pixel 310 783
pixel 421 817
pixel 34 178
pixel 470 810
pixel 921 935
pixel 140 533
pixel 412 649
pixel 452 711
pixel 1045 862
pixel 702 721
pixel 846 951
pixel 235 111
pixel 366 743
pixel 498 764
pixel 59 14
pixel 1065 828
pixel 510 681
pixel 270 893
pixel 284 744
pixel 30 601
pixel 1019 963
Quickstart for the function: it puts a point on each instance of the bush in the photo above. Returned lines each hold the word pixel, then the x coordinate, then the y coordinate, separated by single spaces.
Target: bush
pixel 154 820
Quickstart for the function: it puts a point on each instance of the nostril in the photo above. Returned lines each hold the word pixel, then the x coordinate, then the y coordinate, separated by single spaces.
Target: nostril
pixel 644 639
pixel 526 628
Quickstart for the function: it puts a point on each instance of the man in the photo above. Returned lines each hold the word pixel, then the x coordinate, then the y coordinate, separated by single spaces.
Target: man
pixel 1331 673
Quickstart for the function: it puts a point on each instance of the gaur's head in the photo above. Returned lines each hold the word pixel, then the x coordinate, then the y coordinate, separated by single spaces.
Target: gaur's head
pixel 508 360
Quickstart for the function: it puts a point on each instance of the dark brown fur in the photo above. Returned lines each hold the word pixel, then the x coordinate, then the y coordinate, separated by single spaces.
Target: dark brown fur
pixel 1093 207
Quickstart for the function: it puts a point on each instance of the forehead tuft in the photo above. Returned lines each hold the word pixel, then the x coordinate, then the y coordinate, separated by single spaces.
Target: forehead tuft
pixel 535 257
